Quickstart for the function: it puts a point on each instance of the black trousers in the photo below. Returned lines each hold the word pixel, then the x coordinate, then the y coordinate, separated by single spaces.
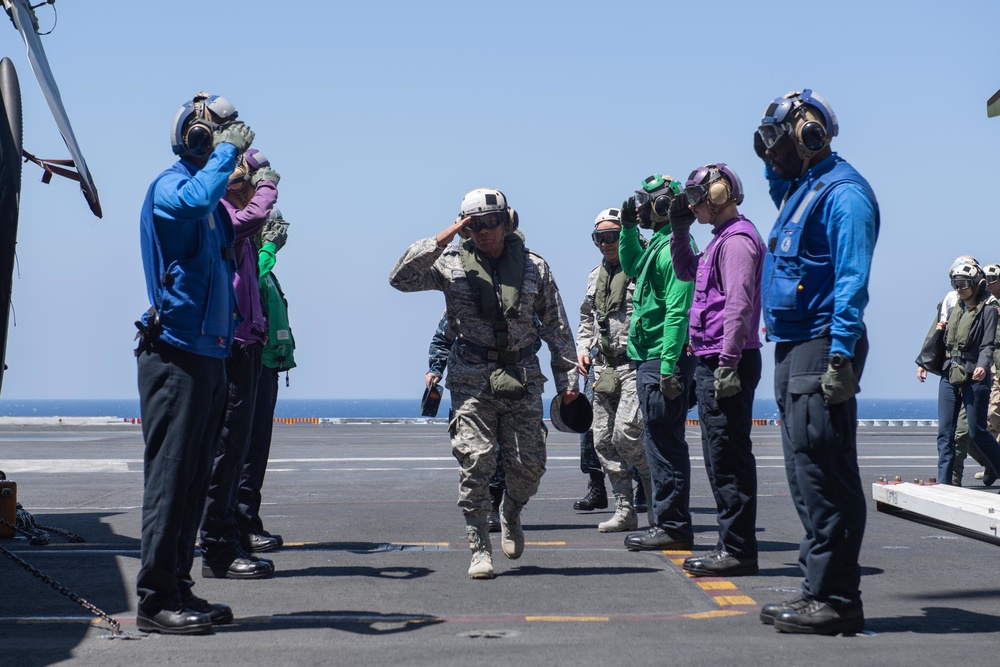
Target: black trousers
pixel 821 462
pixel 666 448
pixel 220 538
pixel 181 400
pixel 728 451
pixel 248 496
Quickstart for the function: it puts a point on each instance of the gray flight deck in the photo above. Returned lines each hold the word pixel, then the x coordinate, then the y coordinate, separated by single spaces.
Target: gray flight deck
pixel 373 571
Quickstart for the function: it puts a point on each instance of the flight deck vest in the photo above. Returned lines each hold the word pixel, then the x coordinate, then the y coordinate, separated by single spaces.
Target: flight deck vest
pixel 798 277
pixel 708 307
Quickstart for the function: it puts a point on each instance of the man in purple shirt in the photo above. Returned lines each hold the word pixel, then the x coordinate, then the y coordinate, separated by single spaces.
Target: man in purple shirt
pixel 251 194
pixel 724 324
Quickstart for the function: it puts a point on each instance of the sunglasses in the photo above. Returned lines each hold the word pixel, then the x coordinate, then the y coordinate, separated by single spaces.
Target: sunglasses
pixel 481 222
pixel 608 236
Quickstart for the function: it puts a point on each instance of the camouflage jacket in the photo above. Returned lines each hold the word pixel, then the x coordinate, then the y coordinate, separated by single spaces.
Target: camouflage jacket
pixel 425 266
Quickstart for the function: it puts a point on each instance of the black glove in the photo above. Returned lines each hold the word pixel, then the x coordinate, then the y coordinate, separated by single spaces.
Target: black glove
pixel 629 218
pixel 681 217
pixel 839 384
pixel 758 146
pixel 671 387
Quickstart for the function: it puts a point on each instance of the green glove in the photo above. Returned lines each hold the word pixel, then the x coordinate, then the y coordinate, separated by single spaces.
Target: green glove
pixel 264 174
pixel 727 382
pixel 236 133
pixel 839 384
pixel 671 387
pixel 629 218
pixel 275 233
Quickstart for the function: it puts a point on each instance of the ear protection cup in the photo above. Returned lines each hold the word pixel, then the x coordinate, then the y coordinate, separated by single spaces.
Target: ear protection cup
pixel 661 205
pixel 198 138
pixel 809 131
pixel 512 221
pixel 719 193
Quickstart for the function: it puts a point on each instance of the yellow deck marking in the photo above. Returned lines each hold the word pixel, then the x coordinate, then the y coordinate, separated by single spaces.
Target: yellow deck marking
pixel 717 585
pixel 714 614
pixel 735 600
pixel 567 619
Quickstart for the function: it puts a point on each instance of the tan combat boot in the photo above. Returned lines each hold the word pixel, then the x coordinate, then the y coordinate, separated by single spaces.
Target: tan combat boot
pixel 482 551
pixel 624 517
pixel 511 535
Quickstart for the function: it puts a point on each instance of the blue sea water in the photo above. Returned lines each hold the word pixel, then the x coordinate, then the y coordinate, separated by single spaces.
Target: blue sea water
pixel 404 408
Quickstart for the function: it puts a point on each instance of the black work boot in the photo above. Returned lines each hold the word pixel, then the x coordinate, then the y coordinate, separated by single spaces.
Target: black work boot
pixel 493 518
pixel 597 495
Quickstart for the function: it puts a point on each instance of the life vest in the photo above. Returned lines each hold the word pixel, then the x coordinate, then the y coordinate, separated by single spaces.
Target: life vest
pixel 279 349
pixel 708 306
pixel 498 288
pixel 193 297
pixel 798 276
pixel 609 298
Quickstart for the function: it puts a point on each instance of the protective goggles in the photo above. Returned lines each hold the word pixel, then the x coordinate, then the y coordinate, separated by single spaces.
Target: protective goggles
pixel 487 221
pixel 696 194
pixel 772 133
pixel 642 197
pixel 961 283
pixel 607 236
pixel 992 280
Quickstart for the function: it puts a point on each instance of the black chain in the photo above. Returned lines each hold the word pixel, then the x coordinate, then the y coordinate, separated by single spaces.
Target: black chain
pixel 115 625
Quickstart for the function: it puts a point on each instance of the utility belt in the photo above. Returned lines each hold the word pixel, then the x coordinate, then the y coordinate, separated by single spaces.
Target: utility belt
pixel 148 333
pixel 491 354
pixel 610 360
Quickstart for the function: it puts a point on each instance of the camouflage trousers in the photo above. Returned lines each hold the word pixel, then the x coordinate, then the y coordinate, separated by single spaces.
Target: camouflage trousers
pixel 993 414
pixel 618 432
pixel 477 425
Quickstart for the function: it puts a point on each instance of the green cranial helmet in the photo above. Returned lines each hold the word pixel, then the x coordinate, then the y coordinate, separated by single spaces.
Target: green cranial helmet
pixel 658 191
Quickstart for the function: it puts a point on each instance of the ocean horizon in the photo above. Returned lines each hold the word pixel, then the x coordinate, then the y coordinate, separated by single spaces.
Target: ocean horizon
pixel 399 408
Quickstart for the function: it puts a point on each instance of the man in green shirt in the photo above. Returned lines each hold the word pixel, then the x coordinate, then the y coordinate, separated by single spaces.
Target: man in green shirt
pixel 657 346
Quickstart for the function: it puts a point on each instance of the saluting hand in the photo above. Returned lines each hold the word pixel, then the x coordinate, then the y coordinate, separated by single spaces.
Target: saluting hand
pixel 447 235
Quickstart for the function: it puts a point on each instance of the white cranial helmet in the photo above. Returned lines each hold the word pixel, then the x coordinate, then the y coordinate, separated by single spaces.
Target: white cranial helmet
pixel 609 215
pixel 481 201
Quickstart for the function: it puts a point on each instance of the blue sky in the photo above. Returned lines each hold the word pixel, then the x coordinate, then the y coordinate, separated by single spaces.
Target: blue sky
pixel 380 116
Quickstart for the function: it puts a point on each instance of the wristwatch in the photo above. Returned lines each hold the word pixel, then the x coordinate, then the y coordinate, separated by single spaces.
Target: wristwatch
pixel 838 361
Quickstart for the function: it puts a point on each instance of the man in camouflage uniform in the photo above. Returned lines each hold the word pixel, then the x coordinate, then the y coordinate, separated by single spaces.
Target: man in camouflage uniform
pixel 500 299
pixel 604 320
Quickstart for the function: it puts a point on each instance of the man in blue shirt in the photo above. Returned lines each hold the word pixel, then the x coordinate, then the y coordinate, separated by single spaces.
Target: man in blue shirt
pixel 187 255
pixel 815 289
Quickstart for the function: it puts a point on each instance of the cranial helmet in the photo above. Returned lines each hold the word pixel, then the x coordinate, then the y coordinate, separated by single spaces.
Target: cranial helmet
pixel 967 274
pixel 992 272
pixel 248 163
pixel 609 215
pixel 658 191
pixel 716 184
pixel 481 201
pixel 191 134
pixel 960 260
pixel 805 117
